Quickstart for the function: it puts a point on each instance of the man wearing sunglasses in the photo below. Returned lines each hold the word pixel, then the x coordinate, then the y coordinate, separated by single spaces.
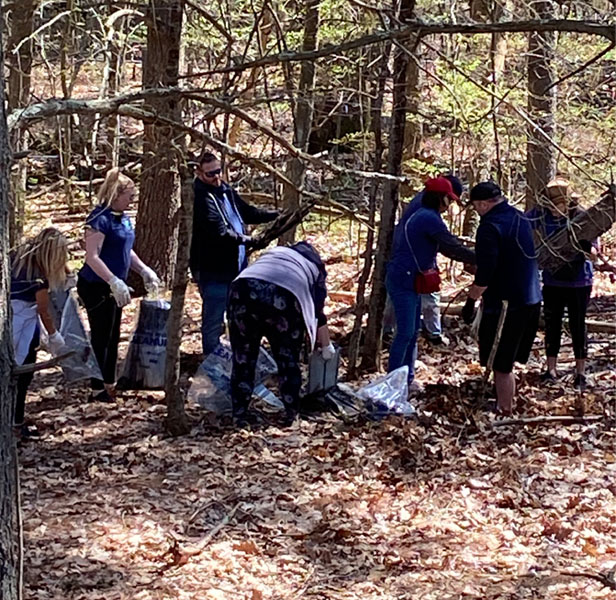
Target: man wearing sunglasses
pixel 219 243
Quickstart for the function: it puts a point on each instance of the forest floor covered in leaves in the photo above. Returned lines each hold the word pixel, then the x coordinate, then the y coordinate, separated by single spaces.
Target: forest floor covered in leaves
pixel 441 507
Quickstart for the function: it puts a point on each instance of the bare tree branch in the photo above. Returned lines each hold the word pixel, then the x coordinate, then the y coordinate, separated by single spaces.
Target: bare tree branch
pixel 420 29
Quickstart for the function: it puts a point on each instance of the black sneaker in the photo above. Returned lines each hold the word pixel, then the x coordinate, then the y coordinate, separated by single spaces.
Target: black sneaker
pixel 435 340
pixel 27 432
pixel 100 396
pixel 547 377
pixel 289 418
pixel 579 383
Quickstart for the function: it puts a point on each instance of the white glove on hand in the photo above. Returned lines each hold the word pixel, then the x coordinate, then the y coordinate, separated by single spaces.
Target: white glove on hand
pixel 120 291
pixel 55 343
pixel 150 279
pixel 71 281
pixel 328 351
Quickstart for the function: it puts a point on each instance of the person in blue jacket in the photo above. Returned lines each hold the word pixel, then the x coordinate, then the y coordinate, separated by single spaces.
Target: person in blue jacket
pixel 430 311
pixel 506 270
pixel 101 284
pixel 415 247
pixel 568 287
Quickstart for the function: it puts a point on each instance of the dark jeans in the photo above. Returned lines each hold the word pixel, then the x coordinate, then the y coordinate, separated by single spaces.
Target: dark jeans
pixel 24 381
pixel 214 295
pixel 260 309
pixel 554 301
pixel 105 318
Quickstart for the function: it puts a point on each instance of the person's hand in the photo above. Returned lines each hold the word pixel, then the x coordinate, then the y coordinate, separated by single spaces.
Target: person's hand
pixel 71 281
pixel 56 344
pixel 119 291
pixel 328 352
pixel 150 279
pixel 468 311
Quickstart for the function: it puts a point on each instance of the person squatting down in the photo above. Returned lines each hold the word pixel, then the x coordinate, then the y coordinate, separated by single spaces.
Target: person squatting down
pixel 415 247
pixel 280 297
pixel 569 286
pixel 506 271
pixel 101 283
pixel 37 267
pixel 219 243
pixel 430 311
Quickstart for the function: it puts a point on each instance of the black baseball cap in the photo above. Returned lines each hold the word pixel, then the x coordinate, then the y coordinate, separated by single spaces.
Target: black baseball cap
pixel 486 190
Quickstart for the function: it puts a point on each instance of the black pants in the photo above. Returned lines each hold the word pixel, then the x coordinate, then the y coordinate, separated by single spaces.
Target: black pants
pixel 554 301
pixel 260 309
pixel 105 318
pixel 24 381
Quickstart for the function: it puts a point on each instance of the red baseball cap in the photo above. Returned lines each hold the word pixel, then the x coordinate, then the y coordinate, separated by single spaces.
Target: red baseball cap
pixel 442 185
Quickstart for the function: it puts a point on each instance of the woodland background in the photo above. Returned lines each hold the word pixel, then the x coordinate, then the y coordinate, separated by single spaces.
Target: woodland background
pixel 344 107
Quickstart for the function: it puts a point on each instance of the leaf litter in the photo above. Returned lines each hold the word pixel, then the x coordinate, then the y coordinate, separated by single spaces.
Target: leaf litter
pixel 442 507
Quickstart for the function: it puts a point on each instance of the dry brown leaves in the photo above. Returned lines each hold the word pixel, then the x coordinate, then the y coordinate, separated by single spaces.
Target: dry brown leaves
pixel 438 509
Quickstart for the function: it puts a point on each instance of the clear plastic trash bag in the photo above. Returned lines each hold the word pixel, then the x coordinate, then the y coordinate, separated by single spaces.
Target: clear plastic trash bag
pixel 82 364
pixel 211 385
pixel 388 395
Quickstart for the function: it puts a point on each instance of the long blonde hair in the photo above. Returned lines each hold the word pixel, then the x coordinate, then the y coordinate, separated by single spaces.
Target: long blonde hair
pixel 44 255
pixel 115 183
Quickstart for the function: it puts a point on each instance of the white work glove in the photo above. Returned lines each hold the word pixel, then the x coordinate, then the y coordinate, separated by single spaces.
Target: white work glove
pixel 150 279
pixel 120 291
pixel 71 281
pixel 328 351
pixel 55 343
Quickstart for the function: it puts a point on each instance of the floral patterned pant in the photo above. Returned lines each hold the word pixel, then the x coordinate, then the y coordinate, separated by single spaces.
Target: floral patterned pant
pixel 260 309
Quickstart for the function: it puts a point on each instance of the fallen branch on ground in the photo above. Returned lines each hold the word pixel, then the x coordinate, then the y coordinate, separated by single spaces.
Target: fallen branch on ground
pixel 562 419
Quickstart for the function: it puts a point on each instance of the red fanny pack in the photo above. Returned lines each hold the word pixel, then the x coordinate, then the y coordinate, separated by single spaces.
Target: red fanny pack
pixel 427 282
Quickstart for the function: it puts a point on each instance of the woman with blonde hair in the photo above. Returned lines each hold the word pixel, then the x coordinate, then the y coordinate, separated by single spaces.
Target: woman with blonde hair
pixel 102 280
pixel 39 265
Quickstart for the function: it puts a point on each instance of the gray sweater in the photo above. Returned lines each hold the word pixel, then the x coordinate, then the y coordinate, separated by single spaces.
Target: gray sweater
pixel 290 270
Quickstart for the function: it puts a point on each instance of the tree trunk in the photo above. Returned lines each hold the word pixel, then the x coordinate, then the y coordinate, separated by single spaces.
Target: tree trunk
pixel 360 304
pixel 9 555
pixel 540 157
pixel 303 112
pixel 159 192
pixel 176 421
pixel 21 19
pixel 374 331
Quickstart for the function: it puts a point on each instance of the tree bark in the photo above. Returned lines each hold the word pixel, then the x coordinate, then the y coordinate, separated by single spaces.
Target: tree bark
pixel 296 169
pixel 374 330
pixel 19 63
pixel 176 421
pixel 9 554
pixel 540 157
pixel 159 190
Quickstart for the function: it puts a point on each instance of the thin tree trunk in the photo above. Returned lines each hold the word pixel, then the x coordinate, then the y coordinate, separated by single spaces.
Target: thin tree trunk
pixel 374 330
pixel 296 170
pixel 360 303
pixel 18 94
pixel 159 191
pixel 9 554
pixel 540 156
pixel 176 421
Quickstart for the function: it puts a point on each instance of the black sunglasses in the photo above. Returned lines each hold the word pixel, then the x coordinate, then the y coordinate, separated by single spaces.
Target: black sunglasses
pixel 212 173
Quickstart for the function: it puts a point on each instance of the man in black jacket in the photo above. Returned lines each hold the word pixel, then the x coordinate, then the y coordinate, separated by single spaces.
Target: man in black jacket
pixel 219 243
